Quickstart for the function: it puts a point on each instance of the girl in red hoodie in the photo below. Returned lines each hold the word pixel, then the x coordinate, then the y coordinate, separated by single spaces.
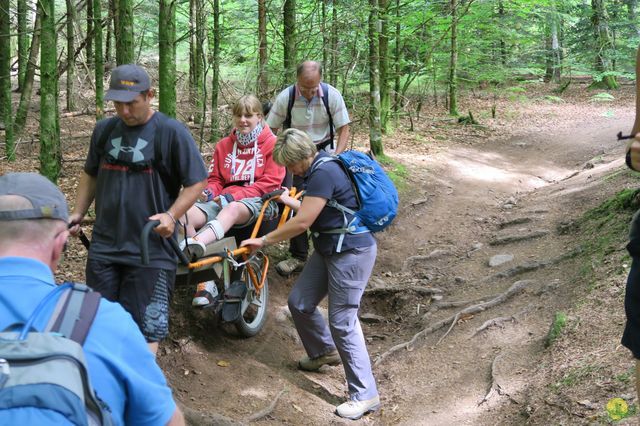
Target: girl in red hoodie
pixel 241 171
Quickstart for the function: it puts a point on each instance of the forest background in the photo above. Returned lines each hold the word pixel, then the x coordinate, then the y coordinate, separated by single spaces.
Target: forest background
pixel 387 57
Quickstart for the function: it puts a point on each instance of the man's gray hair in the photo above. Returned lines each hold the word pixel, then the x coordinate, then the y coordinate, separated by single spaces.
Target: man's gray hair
pixel 308 66
pixel 292 146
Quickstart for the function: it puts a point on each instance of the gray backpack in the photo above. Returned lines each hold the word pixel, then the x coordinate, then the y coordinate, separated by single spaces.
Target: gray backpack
pixel 43 375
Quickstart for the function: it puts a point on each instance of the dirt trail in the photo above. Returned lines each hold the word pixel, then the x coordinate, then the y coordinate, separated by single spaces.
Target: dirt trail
pixel 544 179
pixel 463 198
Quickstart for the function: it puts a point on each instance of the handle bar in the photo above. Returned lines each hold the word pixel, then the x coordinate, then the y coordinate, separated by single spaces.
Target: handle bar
pixel 144 244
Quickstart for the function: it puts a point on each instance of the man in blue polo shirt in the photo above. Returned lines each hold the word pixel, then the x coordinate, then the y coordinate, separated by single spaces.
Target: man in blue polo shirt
pixel 33 235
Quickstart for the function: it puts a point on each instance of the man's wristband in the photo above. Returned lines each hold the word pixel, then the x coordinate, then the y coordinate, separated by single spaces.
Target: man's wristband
pixel 264 240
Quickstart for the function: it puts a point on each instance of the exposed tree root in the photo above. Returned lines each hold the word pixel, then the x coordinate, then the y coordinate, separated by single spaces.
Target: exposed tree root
pixel 426 291
pixel 500 241
pixel 532 266
pixel 516 221
pixel 266 411
pixel 515 288
pixel 495 386
pixel 493 322
pixel 199 418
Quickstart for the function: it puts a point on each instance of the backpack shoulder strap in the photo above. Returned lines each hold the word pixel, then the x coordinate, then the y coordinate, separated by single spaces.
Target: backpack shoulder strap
pixel 74 313
pixel 292 98
pixel 108 128
pixel 325 101
pixel 167 175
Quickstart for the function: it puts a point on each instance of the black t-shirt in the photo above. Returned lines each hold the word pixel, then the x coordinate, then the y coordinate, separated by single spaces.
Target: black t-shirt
pixel 131 185
pixel 329 181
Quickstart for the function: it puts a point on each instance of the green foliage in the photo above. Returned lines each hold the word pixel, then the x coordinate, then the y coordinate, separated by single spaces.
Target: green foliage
pixel 397 171
pixel 602 97
pixel 576 376
pixel 554 99
pixel 558 324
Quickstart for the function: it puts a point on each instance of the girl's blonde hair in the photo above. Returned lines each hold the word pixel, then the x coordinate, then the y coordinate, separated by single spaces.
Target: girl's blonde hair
pixel 248 104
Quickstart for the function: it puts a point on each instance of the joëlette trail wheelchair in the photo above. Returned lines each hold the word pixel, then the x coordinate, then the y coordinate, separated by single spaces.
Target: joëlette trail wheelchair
pixel 240 277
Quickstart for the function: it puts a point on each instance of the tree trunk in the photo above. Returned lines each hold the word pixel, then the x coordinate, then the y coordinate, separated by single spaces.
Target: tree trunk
pixel 323 31
pixel 23 42
pixel 50 155
pixel 98 58
pixel 25 95
pixel 333 73
pixel 632 14
pixel 5 79
pixel 605 49
pixel 71 62
pixel 384 66
pixel 396 60
pixel 503 44
pixel 262 84
pixel 88 48
pixel 196 58
pixel 124 32
pixel 552 47
pixel 167 44
pixel 215 74
pixel 453 60
pixel 111 25
pixel 375 133
pixel 289 14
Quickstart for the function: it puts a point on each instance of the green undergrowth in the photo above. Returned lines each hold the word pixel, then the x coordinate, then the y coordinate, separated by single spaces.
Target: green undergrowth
pixel 397 172
pixel 604 230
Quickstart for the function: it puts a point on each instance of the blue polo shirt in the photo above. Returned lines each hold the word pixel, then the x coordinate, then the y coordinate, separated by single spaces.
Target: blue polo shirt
pixel 122 370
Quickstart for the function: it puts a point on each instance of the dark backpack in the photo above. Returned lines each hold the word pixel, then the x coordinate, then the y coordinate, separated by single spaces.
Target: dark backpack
pixel 167 176
pixel 325 100
pixel 376 195
pixel 46 371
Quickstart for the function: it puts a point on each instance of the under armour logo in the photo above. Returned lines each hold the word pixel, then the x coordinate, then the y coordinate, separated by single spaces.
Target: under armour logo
pixel 138 156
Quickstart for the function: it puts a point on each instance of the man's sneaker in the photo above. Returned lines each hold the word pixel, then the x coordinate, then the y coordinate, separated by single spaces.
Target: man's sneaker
pixel 206 294
pixel 289 266
pixel 353 409
pixel 192 248
pixel 314 364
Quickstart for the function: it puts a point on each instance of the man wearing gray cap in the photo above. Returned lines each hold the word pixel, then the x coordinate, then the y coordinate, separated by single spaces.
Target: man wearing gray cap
pixel 33 234
pixel 141 166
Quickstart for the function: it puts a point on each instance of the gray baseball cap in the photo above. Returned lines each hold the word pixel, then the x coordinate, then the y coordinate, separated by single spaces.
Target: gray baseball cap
pixel 127 81
pixel 46 199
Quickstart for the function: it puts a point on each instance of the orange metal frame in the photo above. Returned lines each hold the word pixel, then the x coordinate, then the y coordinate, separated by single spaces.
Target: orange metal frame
pixel 244 251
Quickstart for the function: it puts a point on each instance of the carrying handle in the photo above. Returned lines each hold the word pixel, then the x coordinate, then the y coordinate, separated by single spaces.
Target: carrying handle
pixel 144 244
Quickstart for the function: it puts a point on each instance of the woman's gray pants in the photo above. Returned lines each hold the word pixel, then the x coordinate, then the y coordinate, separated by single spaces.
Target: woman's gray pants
pixel 342 276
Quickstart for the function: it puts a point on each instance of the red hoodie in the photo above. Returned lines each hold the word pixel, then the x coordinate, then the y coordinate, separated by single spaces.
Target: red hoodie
pixel 268 175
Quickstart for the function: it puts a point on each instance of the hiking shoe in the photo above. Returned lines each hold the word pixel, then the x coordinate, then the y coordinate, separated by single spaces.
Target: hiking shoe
pixel 289 266
pixel 314 364
pixel 206 294
pixel 192 248
pixel 353 409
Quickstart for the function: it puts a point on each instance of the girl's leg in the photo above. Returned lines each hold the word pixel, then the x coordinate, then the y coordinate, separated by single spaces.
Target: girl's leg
pixel 193 219
pixel 232 214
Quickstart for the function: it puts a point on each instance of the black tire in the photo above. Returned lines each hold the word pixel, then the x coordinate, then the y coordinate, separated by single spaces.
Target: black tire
pixel 254 307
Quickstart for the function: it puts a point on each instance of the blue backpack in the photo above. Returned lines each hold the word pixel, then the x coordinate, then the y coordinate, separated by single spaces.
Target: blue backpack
pixel 376 195
pixel 43 375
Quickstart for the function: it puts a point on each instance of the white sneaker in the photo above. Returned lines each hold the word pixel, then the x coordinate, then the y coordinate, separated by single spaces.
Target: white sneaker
pixel 206 293
pixel 353 409
pixel 192 248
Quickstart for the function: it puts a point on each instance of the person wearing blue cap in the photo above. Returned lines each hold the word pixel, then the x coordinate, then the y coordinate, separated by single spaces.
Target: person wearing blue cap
pixel 141 166
pixel 122 370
